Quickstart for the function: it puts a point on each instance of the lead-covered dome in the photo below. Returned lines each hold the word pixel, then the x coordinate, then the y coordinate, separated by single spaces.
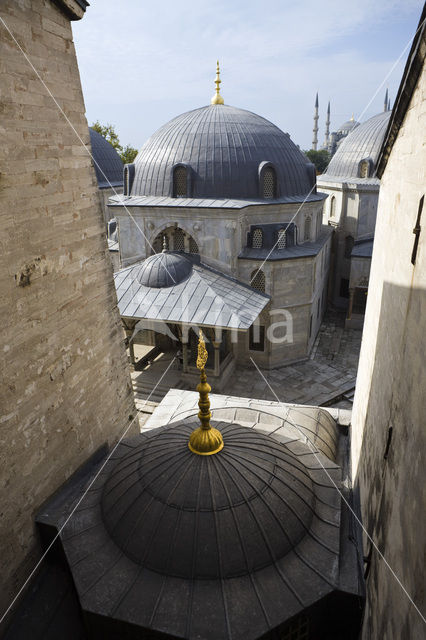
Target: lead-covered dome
pixel 164 270
pixel 108 164
pixel 362 144
pixel 223 150
pixel 208 517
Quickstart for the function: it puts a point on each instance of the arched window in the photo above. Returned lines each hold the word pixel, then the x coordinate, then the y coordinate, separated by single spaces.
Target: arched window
pixel 179 240
pixel 128 177
pixel 257 280
pixel 332 207
pixel 282 239
pixel 257 239
pixel 193 246
pixel 269 186
pixel 308 228
pixel 364 169
pixel 176 240
pixel 180 182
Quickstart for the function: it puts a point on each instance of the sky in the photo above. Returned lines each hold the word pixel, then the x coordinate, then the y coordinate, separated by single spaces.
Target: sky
pixel 143 63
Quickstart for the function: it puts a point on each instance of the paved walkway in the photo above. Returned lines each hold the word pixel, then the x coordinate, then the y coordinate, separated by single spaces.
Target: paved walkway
pixel 327 378
pixel 330 372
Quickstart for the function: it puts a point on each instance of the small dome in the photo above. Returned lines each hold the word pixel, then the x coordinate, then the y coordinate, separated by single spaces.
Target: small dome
pixel 108 164
pixel 208 517
pixel 223 148
pixel 364 142
pixel 164 270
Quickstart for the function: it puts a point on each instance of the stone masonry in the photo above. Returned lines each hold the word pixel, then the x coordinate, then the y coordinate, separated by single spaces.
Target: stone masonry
pixel 65 389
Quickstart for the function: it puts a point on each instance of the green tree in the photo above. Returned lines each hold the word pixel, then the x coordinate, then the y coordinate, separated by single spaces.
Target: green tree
pixel 127 153
pixel 319 158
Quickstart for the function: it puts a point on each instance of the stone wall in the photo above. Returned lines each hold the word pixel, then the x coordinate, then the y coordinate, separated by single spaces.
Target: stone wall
pixel 65 386
pixel 355 216
pixel 389 435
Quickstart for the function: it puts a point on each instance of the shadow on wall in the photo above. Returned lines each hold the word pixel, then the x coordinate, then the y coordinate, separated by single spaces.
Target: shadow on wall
pixel 390 480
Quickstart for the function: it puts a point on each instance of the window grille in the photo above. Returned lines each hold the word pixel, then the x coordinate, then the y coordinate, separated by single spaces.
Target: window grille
pixel 257 280
pixel 363 169
pixel 257 241
pixel 160 240
pixel 193 246
pixel 308 228
pixel 297 630
pixel 179 240
pixel 282 239
pixel 179 182
pixel 269 183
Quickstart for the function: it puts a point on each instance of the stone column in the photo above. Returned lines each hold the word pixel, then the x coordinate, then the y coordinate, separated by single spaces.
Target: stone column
pixel 216 346
pixel 185 357
pixel 131 351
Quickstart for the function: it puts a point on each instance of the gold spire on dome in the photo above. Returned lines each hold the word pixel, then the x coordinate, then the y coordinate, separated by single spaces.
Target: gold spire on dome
pixel 217 98
pixel 352 118
pixel 205 440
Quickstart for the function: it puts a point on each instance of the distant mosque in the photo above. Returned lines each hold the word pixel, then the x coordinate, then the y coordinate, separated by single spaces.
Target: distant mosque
pixel 333 140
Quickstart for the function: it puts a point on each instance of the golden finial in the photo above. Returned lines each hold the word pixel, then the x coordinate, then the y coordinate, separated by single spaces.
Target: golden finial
pixel 217 98
pixel 205 440
pixel 352 118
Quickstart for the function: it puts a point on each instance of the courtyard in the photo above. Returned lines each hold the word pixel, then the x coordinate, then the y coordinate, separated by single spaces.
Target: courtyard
pixel 327 378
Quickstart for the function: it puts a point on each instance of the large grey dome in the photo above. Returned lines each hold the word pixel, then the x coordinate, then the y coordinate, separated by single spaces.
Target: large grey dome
pixel 164 270
pixel 363 143
pixel 348 126
pixel 223 148
pixel 208 517
pixel 108 164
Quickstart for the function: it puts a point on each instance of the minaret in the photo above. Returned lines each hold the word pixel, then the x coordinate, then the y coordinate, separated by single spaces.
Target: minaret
pixel 389 107
pixel 327 128
pixel 315 129
pixel 386 103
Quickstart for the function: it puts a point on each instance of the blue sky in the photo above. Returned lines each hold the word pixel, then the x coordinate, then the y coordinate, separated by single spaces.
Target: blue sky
pixel 142 63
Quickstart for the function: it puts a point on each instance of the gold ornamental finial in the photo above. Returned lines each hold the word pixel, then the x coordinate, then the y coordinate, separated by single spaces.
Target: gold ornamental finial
pixel 217 98
pixel 205 440
pixel 352 119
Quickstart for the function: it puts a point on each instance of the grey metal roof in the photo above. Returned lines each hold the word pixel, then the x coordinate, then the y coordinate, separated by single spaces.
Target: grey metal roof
pixel 224 546
pixel 223 146
pixel 289 253
pixel 206 298
pixel 363 249
pixel 203 203
pixel 364 142
pixel 164 270
pixel 108 164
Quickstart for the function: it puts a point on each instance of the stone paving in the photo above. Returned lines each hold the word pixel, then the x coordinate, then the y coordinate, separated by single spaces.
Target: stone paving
pixel 330 372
